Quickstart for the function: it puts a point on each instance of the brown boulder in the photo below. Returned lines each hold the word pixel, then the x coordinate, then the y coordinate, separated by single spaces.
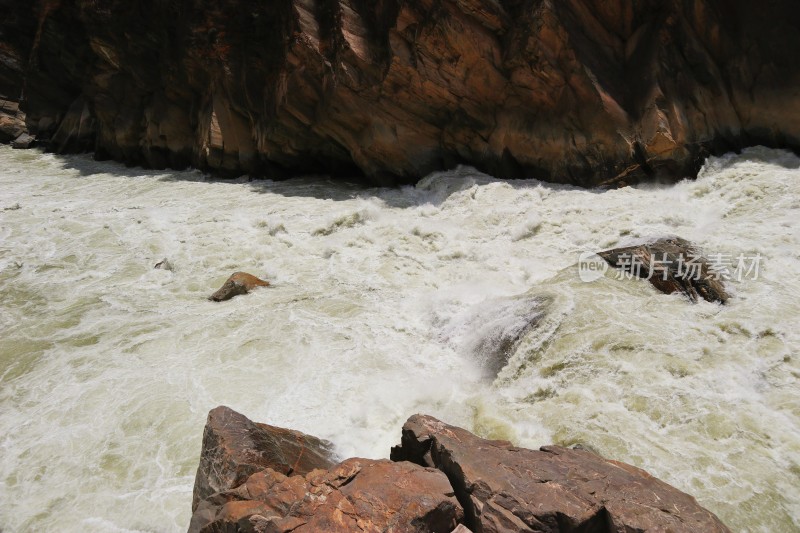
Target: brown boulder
pixel 507 489
pixel 671 265
pixel 12 125
pixel 239 283
pixel 358 495
pixel 234 447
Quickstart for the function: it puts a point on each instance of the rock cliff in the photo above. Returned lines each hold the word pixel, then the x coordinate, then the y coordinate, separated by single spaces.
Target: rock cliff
pixel 441 479
pixel 589 92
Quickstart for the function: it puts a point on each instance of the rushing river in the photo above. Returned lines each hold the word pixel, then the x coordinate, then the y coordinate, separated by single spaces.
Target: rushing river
pixel 385 302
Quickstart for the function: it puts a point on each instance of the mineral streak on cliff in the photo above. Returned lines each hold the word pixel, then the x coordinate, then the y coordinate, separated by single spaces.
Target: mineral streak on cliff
pixel 588 92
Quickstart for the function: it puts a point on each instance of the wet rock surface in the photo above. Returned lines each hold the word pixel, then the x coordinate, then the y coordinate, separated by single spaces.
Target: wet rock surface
pixel 440 479
pixel 586 92
pixel 672 264
pixel 238 284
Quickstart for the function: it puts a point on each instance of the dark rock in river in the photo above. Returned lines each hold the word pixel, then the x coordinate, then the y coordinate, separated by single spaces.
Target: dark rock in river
pixel 587 92
pixel 505 489
pixel 239 283
pixel 23 142
pixel 234 447
pixel 164 264
pixel 671 265
pixel 492 330
pixel 442 479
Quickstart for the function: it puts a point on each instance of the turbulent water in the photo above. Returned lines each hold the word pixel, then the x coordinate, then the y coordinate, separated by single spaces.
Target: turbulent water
pixel 385 302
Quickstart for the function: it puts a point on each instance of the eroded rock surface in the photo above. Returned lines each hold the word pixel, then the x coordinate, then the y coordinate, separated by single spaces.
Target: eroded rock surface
pixel 234 447
pixel 554 489
pixel 358 495
pixel 672 264
pixel 590 92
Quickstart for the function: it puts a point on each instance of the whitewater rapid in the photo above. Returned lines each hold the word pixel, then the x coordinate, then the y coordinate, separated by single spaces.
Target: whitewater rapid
pixel 385 302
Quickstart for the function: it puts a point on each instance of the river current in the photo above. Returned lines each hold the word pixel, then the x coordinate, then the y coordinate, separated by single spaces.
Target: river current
pixel 385 303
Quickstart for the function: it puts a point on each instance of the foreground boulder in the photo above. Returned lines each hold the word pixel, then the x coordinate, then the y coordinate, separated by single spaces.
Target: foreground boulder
pixel 358 495
pixel 584 91
pixel 239 283
pixel 671 265
pixel 234 447
pixel 441 479
pixel 254 477
pixel 505 489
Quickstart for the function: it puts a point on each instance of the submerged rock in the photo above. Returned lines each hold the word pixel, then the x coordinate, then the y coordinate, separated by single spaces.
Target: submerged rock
pixel 441 479
pixel 239 283
pixel 491 331
pixel 671 265
pixel 164 264
pixel 505 489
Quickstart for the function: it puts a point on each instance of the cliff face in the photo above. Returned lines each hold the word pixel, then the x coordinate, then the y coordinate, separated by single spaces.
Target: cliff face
pixel 17 26
pixel 581 91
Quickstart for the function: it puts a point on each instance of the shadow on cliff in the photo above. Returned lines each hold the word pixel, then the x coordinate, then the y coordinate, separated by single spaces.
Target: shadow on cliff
pixel 434 189
pixel 782 157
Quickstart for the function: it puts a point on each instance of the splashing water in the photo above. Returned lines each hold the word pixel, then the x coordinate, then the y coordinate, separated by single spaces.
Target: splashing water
pixel 384 303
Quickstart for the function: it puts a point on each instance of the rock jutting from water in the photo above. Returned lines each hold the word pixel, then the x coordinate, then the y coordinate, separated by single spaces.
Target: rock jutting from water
pixel 238 284
pixel 440 479
pixel 671 265
pixel 582 92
